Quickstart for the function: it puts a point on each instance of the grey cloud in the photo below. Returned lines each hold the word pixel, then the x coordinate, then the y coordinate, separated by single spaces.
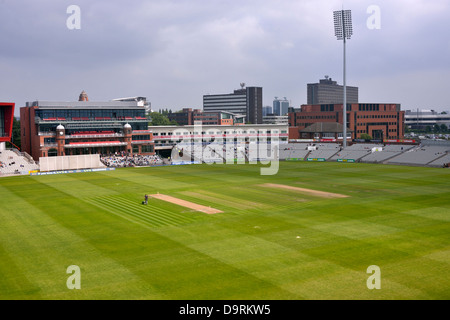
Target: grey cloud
pixel 175 51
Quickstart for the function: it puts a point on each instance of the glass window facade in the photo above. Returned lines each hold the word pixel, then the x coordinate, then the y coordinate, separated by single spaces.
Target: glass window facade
pixel 2 122
pixel 75 114
pixel 141 137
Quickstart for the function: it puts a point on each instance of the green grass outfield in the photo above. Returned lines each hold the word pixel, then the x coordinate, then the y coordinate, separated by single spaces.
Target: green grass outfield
pixel 267 243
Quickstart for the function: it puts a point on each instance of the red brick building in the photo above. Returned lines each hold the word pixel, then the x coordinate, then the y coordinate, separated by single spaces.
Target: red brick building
pixel 379 120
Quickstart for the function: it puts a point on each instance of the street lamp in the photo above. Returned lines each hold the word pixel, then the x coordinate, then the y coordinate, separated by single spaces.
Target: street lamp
pixel 343 30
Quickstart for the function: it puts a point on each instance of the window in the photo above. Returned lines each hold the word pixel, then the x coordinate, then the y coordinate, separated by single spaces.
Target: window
pixel 2 121
pixel 52 153
pixel 147 149
pixel 141 137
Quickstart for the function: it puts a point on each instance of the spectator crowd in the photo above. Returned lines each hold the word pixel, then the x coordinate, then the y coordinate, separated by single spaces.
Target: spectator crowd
pixel 123 160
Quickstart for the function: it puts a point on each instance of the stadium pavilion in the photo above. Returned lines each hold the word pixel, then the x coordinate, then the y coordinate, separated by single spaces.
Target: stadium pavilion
pixel 55 128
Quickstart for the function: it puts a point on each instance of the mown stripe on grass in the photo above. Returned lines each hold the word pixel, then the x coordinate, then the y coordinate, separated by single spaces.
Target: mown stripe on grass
pixel 104 204
pixel 153 221
pixel 153 208
pixel 38 245
pixel 149 215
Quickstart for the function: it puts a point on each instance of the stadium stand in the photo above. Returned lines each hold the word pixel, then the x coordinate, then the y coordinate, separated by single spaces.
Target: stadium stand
pixel 293 151
pixel 388 152
pixel 442 161
pixel 422 155
pixel 324 151
pixel 122 161
pixel 13 162
pixel 358 152
pixel 355 152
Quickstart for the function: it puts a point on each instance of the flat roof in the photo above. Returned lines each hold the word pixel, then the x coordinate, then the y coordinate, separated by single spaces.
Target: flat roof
pixel 85 104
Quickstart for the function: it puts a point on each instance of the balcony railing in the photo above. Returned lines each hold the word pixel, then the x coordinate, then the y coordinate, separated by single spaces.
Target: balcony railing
pixel 89 119
pixel 94 144
pixel 92 135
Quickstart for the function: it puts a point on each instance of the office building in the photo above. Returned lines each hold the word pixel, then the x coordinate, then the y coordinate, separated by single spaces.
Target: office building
pixel 421 119
pixel 328 91
pixel 274 119
pixel 267 110
pixel 280 107
pixel 245 101
pixel 379 120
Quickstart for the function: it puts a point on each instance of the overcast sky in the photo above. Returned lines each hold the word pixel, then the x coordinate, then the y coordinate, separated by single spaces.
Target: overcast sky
pixel 174 52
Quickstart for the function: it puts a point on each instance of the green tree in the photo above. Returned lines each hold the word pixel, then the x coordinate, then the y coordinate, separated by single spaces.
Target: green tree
pixel 444 128
pixel 436 128
pixel 366 136
pixel 158 119
pixel 16 138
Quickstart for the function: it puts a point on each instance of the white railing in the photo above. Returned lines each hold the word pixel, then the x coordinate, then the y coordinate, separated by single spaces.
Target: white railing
pixel 99 144
pixel 106 135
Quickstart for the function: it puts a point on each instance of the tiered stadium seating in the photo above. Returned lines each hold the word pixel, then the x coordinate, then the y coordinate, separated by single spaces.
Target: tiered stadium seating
pixel 324 151
pixel 388 152
pixel 354 152
pixel 421 155
pixel 14 163
pixel 445 159
pixel 293 151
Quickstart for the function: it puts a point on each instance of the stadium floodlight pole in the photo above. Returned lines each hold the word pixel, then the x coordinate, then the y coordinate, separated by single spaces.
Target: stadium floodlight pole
pixel 343 30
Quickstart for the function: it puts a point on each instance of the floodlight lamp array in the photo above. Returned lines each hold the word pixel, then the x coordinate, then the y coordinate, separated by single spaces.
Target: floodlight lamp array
pixel 343 24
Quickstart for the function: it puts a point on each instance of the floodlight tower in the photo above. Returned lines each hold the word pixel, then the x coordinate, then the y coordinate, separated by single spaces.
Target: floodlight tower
pixel 343 30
